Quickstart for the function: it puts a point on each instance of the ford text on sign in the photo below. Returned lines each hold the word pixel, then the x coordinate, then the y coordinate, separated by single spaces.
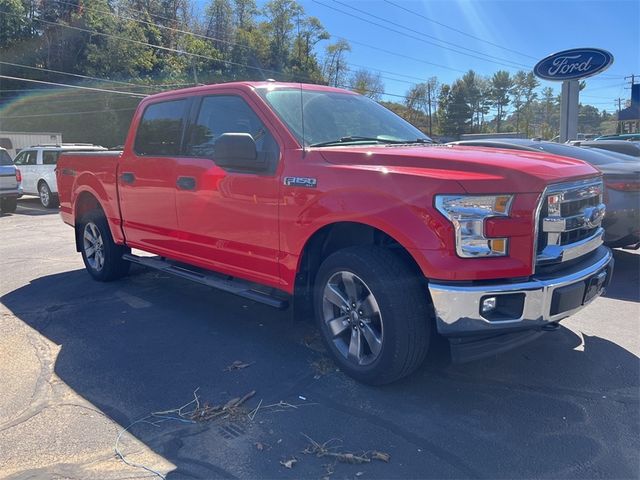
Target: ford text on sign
pixel 573 64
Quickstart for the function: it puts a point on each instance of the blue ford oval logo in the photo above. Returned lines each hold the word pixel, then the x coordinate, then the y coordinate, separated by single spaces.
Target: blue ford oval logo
pixel 573 64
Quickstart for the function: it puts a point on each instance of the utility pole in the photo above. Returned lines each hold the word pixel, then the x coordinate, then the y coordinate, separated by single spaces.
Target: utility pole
pixel 429 105
pixel 618 124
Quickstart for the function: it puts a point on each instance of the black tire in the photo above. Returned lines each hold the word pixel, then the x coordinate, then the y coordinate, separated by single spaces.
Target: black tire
pixel 47 198
pixel 404 315
pixel 8 205
pixel 112 265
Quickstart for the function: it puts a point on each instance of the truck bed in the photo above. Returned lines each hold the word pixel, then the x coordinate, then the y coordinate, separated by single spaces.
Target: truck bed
pixel 94 173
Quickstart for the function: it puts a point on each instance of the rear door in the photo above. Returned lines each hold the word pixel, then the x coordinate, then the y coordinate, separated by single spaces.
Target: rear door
pixel 46 171
pixel 26 161
pixel 147 178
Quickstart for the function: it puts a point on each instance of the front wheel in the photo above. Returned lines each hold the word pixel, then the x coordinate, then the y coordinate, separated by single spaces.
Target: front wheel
pixel 373 313
pixel 102 257
pixel 47 198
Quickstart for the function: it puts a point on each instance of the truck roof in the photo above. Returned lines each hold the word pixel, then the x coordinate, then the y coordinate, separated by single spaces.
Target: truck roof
pixel 248 86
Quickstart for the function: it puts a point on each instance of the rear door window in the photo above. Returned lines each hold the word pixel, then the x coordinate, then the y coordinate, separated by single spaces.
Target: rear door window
pixel 50 158
pixel 160 130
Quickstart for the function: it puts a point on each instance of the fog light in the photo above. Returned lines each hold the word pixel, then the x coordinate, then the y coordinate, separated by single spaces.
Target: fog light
pixel 489 304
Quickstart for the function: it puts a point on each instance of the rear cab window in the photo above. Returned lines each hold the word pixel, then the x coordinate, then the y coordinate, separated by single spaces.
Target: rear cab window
pixel 160 129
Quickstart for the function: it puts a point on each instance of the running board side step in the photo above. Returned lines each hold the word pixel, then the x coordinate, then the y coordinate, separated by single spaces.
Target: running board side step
pixel 235 286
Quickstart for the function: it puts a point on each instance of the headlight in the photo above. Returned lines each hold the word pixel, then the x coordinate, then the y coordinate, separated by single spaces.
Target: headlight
pixel 467 213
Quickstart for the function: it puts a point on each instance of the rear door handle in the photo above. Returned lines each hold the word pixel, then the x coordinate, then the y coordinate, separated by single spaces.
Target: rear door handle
pixel 186 183
pixel 128 177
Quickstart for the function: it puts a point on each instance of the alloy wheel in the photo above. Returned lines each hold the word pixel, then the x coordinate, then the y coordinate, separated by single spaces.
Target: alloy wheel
pixel 353 318
pixel 93 246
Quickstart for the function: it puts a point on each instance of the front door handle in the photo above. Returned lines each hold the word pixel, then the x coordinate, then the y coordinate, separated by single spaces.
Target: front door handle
pixel 128 177
pixel 186 183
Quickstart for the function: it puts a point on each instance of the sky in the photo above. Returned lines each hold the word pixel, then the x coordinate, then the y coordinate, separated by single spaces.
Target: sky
pixel 484 35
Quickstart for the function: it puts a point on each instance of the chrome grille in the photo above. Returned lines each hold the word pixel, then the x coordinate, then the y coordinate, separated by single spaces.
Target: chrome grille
pixel 569 221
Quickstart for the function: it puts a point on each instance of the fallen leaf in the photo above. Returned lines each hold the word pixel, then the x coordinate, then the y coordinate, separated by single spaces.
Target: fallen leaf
pixel 382 456
pixel 237 365
pixel 289 463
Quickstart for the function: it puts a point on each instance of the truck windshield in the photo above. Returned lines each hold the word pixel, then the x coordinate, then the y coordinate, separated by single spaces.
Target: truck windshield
pixel 332 118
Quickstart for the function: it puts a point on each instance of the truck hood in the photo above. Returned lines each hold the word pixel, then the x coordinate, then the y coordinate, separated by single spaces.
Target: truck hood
pixel 476 169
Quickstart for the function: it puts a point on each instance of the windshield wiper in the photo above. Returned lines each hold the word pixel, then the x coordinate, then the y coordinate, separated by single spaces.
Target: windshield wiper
pixel 355 138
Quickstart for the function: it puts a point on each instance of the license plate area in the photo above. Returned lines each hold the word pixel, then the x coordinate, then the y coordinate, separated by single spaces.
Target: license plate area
pixel 579 293
pixel 595 284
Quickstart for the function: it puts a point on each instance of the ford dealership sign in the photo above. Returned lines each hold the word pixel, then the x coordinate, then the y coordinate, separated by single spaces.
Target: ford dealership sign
pixel 573 64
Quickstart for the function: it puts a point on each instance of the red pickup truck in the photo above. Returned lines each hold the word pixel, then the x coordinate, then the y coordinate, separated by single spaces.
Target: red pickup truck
pixel 321 199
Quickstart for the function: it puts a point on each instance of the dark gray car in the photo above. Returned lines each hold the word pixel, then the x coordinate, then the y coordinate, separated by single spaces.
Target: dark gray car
pixel 617 146
pixel 621 177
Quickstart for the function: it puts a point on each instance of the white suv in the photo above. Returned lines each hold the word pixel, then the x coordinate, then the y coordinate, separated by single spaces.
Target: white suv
pixel 37 165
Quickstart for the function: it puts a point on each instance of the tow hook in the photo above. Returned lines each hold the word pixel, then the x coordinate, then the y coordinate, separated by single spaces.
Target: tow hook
pixel 551 327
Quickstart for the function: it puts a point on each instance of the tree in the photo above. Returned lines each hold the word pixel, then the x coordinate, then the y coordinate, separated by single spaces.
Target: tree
pixel 12 22
pixel 501 84
pixel 367 83
pixel 529 94
pixel 454 114
pixel 280 16
pixel 516 91
pixel 335 67
pixel 471 89
pixel 219 21
pixel 244 13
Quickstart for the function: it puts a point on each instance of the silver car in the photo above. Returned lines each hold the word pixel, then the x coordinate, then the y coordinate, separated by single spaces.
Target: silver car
pixel 10 189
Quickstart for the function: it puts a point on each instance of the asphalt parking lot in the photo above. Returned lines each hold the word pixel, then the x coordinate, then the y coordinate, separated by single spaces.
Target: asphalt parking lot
pixel 80 361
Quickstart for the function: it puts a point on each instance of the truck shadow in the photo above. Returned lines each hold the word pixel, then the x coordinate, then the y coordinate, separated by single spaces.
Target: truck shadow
pixel 145 343
pixel 31 206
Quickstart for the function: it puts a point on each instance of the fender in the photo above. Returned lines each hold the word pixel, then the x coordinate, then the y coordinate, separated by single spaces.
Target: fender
pixel 108 201
pixel 413 223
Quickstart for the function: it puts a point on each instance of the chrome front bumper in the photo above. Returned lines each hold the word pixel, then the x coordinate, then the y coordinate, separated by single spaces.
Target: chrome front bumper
pixel 545 298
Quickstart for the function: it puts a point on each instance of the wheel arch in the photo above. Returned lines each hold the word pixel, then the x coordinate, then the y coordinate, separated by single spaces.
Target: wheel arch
pixel 336 236
pixel 84 203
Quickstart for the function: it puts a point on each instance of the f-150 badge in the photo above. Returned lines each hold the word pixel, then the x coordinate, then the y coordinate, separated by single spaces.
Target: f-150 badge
pixel 305 182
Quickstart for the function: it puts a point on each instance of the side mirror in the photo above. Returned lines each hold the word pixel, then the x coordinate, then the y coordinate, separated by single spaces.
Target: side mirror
pixel 237 151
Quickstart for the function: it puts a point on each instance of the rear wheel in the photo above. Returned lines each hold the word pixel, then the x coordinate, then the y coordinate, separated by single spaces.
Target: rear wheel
pixel 48 199
pixel 8 205
pixel 102 257
pixel 373 313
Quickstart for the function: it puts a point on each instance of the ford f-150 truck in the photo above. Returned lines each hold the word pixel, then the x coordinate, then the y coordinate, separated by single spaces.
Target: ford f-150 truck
pixel 321 199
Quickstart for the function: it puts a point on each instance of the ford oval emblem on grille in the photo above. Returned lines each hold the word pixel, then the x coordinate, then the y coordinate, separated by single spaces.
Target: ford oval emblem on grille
pixel 573 64
pixel 593 216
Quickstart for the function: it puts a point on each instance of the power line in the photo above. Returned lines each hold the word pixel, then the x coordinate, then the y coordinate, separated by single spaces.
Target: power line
pixel 174 50
pixel 130 94
pixel 511 64
pixel 86 77
pixel 462 32
pixel 186 32
pixel 69 113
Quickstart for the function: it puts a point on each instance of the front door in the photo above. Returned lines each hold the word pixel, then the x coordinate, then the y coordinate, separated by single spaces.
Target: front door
pixel 229 220
pixel 147 179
